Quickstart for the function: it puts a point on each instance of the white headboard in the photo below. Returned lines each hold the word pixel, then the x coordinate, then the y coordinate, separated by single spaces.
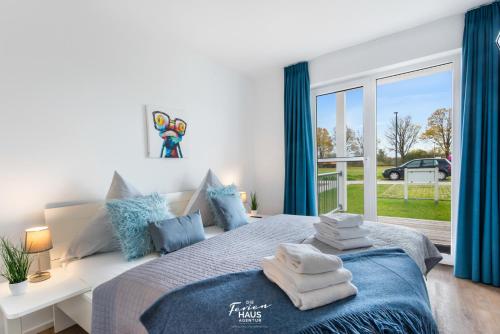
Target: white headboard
pixel 68 221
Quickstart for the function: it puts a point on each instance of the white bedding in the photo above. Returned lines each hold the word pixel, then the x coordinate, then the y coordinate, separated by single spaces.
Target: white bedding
pixel 212 231
pixel 99 268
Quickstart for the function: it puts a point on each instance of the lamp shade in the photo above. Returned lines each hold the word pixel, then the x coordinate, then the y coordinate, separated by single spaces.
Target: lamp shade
pixel 37 240
pixel 243 196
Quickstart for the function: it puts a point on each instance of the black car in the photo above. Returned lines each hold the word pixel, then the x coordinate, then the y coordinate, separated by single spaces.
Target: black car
pixel 398 173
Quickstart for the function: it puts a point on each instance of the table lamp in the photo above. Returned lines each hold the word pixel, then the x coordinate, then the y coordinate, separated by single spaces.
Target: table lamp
pixel 243 197
pixel 38 240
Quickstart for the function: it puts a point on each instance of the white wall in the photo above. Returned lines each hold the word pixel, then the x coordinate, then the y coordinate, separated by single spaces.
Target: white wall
pixel 269 139
pixel 73 85
pixel 72 96
pixel 437 37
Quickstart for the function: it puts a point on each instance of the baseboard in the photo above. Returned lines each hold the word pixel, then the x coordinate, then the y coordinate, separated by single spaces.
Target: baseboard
pixel 39 328
pixel 447 260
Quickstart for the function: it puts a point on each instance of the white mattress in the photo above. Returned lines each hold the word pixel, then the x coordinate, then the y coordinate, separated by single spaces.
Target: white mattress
pixel 97 269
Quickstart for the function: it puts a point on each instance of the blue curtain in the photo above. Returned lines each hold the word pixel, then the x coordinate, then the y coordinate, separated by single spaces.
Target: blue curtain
pixel 300 198
pixel 478 230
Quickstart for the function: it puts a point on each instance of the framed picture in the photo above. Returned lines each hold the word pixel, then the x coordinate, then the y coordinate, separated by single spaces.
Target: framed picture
pixel 166 131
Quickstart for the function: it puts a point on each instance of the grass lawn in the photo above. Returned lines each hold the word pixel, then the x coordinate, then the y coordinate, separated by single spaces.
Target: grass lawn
pixel 396 191
pixel 355 173
pixel 394 206
pixel 326 201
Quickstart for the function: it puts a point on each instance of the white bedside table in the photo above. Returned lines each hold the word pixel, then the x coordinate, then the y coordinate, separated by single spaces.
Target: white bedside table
pixel 60 287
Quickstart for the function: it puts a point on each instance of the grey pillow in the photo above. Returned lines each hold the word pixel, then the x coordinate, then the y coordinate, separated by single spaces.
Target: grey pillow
pixel 227 207
pixel 99 235
pixel 121 189
pixel 199 199
pixel 175 233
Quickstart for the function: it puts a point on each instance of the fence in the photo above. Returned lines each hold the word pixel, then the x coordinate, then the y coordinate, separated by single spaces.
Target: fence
pixel 328 195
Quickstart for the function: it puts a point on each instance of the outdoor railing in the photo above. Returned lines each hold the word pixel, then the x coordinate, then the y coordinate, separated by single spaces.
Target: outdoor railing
pixel 328 192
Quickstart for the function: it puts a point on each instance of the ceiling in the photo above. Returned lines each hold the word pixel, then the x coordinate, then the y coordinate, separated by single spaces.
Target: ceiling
pixel 253 35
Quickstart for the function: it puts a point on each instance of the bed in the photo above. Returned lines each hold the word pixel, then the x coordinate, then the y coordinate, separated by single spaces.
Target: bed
pixel 122 291
pixel 66 220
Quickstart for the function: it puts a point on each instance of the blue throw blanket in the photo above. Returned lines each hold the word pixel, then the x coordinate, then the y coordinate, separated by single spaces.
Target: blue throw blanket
pixel 392 298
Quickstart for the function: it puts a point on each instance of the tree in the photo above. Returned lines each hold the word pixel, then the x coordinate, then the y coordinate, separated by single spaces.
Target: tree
pixel 324 143
pixel 438 130
pixel 353 141
pixel 382 158
pixel 406 134
pixel 418 154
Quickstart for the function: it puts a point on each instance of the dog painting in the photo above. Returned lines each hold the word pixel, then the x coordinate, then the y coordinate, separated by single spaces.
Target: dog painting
pixel 165 134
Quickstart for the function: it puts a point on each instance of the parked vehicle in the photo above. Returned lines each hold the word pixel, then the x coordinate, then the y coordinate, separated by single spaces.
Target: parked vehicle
pixel 397 173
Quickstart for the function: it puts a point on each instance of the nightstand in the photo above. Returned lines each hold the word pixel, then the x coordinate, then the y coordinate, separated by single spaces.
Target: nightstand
pixel 60 287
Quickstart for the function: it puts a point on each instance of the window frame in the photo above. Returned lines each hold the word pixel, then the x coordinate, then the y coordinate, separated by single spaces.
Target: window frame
pixel 368 80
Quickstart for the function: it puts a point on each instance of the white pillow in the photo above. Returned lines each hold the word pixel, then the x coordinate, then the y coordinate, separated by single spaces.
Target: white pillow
pixel 199 199
pixel 99 235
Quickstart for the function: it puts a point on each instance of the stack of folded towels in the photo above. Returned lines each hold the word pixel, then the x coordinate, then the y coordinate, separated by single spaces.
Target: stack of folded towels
pixel 310 278
pixel 342 231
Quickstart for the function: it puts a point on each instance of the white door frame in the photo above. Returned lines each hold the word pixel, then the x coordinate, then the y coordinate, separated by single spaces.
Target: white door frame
pixel 368 80
pixel 369 130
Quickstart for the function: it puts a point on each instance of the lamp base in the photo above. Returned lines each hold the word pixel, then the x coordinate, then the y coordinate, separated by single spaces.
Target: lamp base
pixel 39 277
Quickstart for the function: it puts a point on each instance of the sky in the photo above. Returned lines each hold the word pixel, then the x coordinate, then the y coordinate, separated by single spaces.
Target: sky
pixel 418 98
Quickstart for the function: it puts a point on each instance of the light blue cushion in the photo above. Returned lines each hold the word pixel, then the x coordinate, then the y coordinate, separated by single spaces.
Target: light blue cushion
pixel 227 207
pixel 175 233
pixel 130 218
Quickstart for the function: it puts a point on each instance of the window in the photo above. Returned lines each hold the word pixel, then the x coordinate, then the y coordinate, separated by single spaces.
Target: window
pixel 339 150
pixel 370 128
pixel 339 124
pixel 413 164
pixel 414 125
pixel 429 163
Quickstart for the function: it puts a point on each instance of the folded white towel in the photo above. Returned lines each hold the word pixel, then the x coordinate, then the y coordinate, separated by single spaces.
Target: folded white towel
pixel 342 224
pixel 341 233
pixel 306 282
pixel 341 220
pixel 345 244
pixel 306 259
pixel 314 298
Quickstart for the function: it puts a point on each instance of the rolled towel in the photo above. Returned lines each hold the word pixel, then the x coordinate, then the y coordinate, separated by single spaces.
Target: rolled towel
pixel 306 282
pixel 314 298
pixel 341 233
pixel 306 259
pixel 345 244
pixel 341 220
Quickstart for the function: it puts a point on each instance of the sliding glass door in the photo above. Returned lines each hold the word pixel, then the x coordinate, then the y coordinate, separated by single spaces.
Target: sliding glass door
pixel 414 152
pixel 386 146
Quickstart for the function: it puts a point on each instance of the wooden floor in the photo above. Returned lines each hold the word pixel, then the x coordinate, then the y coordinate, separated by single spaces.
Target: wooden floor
pixel 72 330
pixel 459 306
pixel 438 231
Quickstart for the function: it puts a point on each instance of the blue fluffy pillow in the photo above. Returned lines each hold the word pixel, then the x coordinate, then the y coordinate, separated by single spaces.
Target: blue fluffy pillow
pixel 130 219
pixel 227 207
